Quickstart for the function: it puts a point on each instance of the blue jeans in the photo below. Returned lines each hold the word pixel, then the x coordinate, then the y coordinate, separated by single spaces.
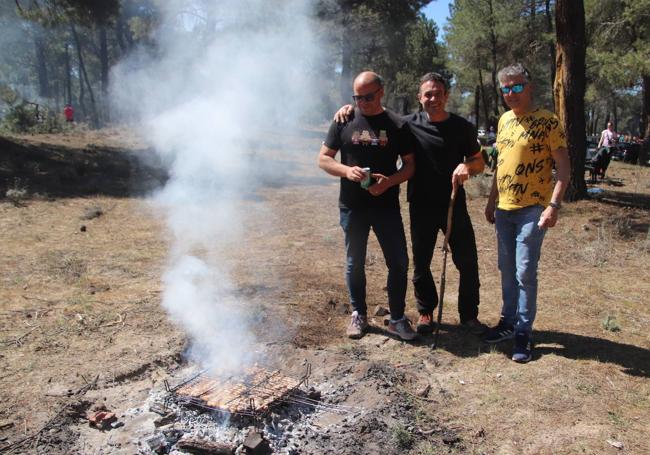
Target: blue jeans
pixel 520 245
pixel 387 224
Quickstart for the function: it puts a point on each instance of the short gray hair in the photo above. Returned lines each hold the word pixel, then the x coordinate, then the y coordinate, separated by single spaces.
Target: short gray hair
pixel 516 69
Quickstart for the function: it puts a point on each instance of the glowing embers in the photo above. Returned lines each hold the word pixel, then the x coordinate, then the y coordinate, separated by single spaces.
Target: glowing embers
pixel 253 394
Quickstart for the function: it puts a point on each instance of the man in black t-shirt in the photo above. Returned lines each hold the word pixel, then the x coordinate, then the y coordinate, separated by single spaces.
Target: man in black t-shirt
pixel 370 146
pixel 447 154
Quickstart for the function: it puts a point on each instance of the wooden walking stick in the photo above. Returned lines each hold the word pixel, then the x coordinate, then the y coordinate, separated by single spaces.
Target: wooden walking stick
pixel 445 250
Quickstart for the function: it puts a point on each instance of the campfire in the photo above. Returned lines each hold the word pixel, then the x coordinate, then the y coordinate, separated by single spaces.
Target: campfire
pixel 261 411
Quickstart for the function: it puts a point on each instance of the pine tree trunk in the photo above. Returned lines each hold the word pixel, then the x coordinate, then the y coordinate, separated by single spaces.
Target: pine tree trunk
pixel 493 48
pixel 102 35
pixel 569 88
pixel 486 111
pixel 83 76
pixel 103 58
pixel 346 68
pixel 477 96
pixel 68 76
pixel 551 47
pixel 41 66
pixel 645 122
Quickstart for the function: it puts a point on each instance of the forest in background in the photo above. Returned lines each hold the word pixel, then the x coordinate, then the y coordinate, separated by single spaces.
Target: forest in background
pixel 62 51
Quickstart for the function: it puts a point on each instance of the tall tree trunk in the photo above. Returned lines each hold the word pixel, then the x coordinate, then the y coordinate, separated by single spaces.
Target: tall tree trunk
pixel 82 94
pixel 645 122
pixel 569 89
pixel 493 49
pixel 83 76
pixel 477 95
pixel 41 65
pixel 120 33
pixel 551 46
pixel 102 36
pixel 486 111
pixel 346 68
pixel 68 76
pixel 103 58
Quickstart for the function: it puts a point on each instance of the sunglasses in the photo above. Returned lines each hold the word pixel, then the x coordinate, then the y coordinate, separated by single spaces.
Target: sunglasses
pixel 516 88
pixel 367 98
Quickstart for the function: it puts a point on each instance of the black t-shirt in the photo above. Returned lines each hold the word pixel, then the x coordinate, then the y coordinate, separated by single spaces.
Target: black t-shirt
pixel 375 142
pixel 440 147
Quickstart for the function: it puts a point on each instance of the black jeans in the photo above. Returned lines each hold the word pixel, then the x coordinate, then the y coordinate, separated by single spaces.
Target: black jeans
pixel 389 229
pixel 426 221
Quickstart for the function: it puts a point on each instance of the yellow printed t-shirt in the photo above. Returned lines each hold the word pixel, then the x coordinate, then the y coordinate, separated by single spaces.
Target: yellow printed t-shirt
pixel 525 162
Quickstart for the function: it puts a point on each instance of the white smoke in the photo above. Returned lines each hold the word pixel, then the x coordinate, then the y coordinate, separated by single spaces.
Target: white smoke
pixel 226 75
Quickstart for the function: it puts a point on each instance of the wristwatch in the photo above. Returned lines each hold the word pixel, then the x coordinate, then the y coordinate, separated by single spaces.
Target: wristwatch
pixel 554 205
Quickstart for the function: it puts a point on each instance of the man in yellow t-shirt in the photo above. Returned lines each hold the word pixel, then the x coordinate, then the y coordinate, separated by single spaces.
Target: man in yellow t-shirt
pixel 529 142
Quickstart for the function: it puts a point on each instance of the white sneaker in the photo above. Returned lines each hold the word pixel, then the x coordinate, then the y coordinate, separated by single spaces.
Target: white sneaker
pixel 358 325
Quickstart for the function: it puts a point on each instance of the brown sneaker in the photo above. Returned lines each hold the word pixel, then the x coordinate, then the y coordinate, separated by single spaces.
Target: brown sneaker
pixel 358 325
pixel 402 329
pixel 425 324
pixel 475 327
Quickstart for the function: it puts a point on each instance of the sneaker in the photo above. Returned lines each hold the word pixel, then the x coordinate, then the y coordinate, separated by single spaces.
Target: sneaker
pixel 358 325
pixel 475 327
pixel 425 324
pixel 500 333
pixel 402 328
pixel 523 351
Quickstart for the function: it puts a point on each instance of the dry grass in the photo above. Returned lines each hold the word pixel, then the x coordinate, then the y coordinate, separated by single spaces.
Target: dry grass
pixel 76 304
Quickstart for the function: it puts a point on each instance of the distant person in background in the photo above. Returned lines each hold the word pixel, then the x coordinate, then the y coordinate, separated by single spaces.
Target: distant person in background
pixel 523 203
pixel 608 137
pixel 370 146
pixel 68 112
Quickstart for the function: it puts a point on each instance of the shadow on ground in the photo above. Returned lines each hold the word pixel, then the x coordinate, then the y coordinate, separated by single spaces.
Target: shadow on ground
pixel 622 199
pixel 633 360
pixel 52 171
pixel 57 171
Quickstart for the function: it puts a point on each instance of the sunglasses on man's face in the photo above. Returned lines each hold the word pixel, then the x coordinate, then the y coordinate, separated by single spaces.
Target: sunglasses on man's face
pixel 516 88
pixel 367 98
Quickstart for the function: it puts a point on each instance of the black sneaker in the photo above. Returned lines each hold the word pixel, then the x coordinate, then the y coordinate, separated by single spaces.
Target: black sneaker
pixel 523 351
pixel 500 333
pixel 475 327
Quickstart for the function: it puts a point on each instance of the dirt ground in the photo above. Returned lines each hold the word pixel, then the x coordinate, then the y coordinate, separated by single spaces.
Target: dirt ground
pixel 83 253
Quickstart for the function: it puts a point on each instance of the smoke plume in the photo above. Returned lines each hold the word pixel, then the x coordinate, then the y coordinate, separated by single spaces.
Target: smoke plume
pixel 220 78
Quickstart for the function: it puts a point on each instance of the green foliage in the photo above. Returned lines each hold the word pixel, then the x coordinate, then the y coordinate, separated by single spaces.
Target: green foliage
pixel 618 56
pixel 386 36
pixel 402 438
pixel 485 35
pixel 31 118
pixel 53 12
pixel 422 55
pixel 610 324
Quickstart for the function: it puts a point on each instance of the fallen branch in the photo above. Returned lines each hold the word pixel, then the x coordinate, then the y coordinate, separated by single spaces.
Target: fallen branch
pixel 120 320
pixel 19 341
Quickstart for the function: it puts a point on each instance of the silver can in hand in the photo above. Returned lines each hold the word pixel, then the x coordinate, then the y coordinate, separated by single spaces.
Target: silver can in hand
pixel 367 180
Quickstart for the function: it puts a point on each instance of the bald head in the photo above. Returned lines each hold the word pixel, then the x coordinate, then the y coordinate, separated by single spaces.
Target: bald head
pixel 368 89
pixel 367 78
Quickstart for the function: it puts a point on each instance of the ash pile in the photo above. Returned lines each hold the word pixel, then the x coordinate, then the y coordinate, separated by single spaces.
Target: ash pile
pixel 265 412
